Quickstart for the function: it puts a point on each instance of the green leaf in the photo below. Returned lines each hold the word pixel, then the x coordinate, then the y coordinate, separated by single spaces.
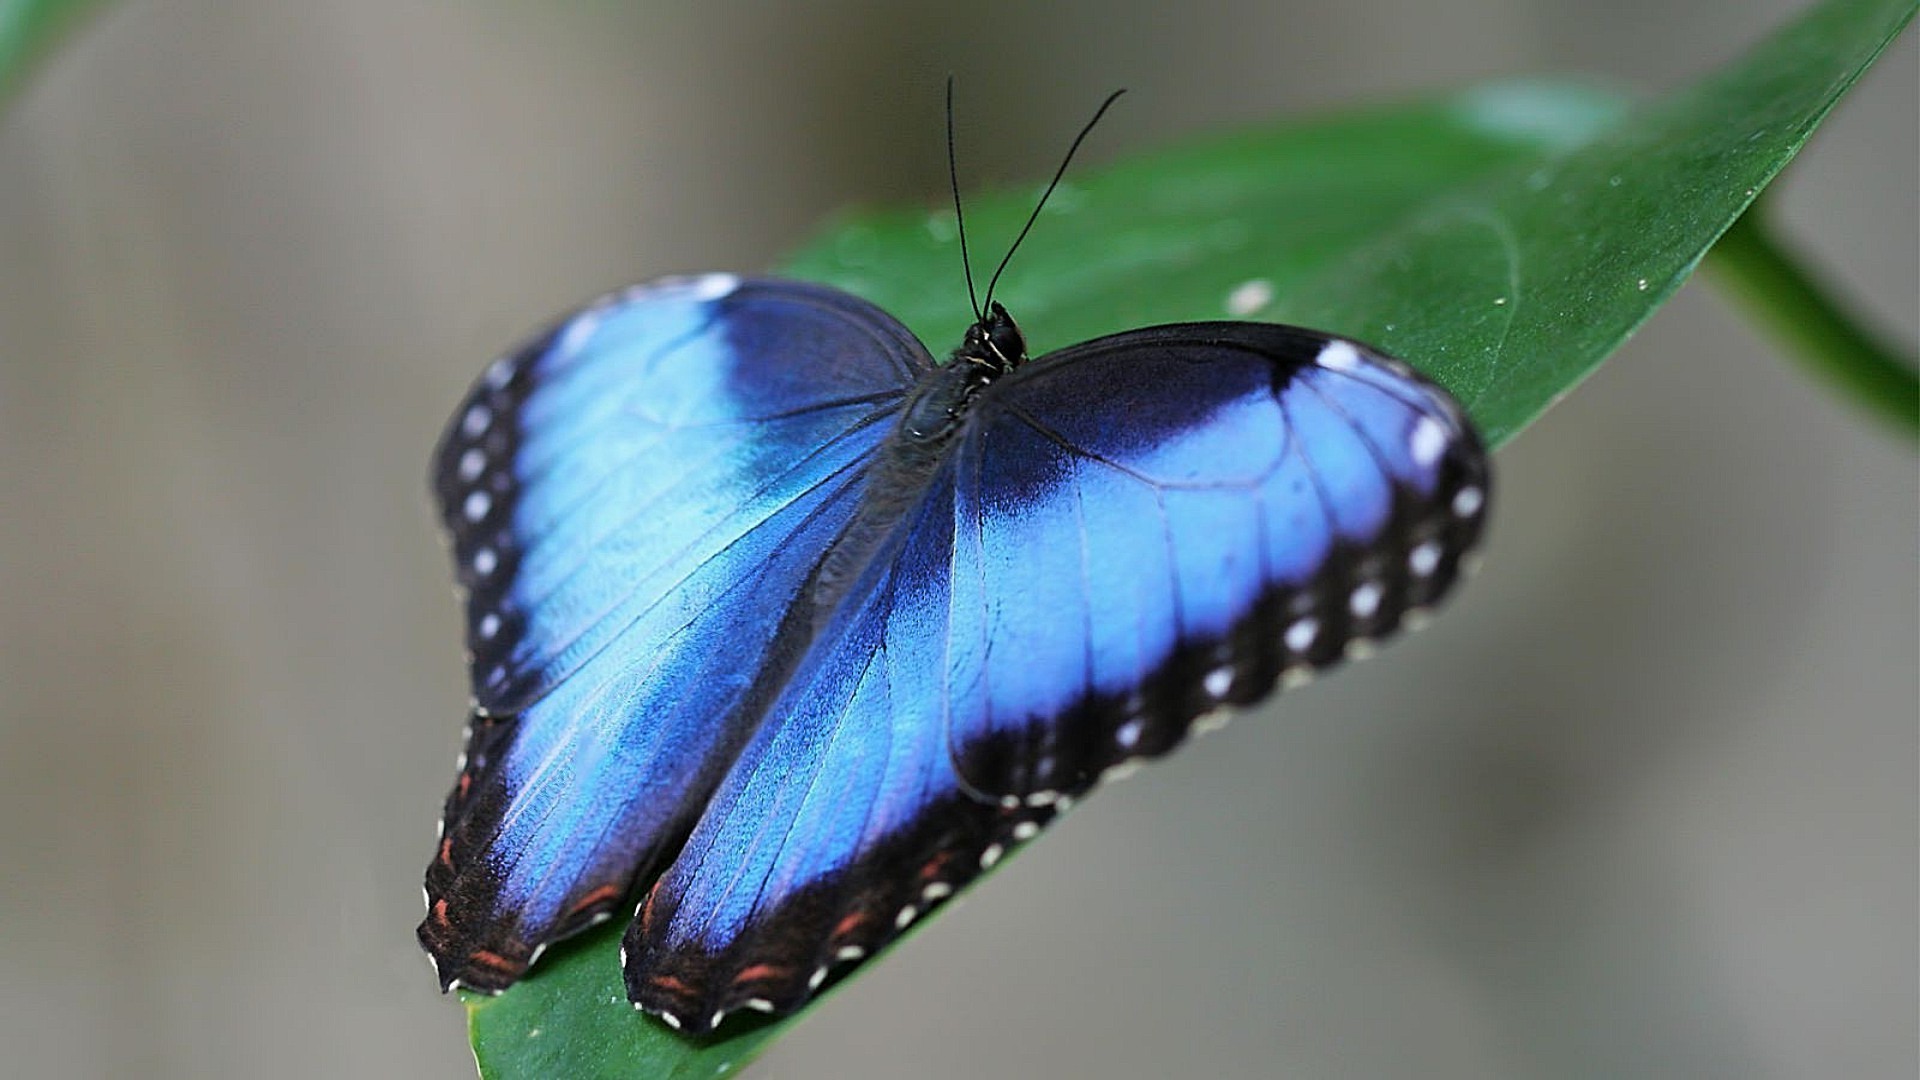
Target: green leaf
pixel 28 29
pixel 572 1019
pixel 1332 213
pixel 1505 239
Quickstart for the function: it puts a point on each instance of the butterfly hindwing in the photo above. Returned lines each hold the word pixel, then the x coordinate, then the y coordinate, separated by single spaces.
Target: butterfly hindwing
pixel 628 497
pixel 1120 538
pixel 840 822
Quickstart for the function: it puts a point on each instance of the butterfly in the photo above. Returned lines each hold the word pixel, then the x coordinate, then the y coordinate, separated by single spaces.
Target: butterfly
pixel 790 631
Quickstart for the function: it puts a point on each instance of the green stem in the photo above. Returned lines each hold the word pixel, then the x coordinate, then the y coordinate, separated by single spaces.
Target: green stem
pixel 1778 292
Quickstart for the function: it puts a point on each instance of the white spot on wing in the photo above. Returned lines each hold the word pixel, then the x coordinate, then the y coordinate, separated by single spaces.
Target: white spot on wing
pixel 579 332
pixel 1339 356
pixel 475 423
pixel 1249 297
pixel 1424 559
pixel 710 287
pixel 1026 830
pixel 485 561
pixel 472 464
pixel 1300 635
pixel 1429 439
pixel 489 626
pixel 1219 681
pixel 479 502
pixel 991 855
pixel 1365 600
pixel 1128 734
pixel 1468 502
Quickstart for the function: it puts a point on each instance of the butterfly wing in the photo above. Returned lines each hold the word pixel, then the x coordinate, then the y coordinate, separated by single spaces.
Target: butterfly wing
pixel 634 498
pixel 1159 523
pixel 1125 536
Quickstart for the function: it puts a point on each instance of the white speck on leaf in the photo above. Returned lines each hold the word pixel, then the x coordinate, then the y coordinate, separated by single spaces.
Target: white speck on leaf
pixel 1249 297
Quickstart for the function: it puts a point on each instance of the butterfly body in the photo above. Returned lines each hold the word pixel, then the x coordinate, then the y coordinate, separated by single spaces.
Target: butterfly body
pixel 792 631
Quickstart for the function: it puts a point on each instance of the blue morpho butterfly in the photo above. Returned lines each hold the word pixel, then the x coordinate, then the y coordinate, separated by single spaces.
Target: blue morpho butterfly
pixel 792 629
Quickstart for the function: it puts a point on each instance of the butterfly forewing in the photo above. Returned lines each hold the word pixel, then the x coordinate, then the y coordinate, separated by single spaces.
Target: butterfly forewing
pixel 634 500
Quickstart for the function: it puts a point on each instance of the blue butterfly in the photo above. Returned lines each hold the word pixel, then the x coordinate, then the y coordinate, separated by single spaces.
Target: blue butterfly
pixel 794 631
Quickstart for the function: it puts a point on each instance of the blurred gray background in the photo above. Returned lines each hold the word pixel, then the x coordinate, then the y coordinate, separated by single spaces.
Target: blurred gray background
pixel 1642 805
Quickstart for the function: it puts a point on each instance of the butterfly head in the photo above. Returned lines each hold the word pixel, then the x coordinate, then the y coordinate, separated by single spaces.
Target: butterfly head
pixel 995 341
pixel 993 347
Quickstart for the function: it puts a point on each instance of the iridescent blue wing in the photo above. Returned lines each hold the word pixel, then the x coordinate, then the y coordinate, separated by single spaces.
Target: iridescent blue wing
pixel 1124 537
pixel 634 499
pixel 1159 523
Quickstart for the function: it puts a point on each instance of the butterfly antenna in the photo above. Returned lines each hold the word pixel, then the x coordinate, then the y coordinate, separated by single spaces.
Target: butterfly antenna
pixel 1062 171
pixel 959 217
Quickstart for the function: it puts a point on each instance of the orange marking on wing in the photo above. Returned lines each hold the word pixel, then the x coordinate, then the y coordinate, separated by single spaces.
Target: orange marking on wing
pixel 602 895
pixel 848 925
pixel 440 912
pixel 463 784
pixel 670 984
pixel 493 960
pixel 446 852
pixel 758 972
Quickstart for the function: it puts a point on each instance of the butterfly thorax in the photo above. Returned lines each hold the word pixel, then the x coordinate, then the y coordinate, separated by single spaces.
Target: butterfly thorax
pixel 931 418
